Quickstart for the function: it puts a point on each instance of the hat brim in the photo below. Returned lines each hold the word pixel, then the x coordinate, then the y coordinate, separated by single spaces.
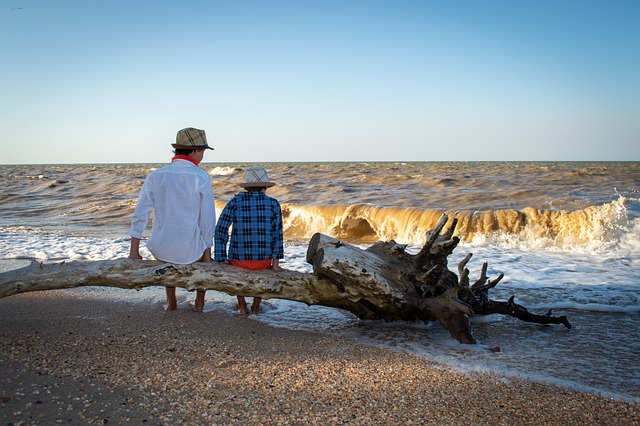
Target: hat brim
pixel 176 146
pixel 257 184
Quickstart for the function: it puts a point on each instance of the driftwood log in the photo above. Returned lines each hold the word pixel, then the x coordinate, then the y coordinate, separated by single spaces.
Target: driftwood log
pixel 383 282
pixel 401 286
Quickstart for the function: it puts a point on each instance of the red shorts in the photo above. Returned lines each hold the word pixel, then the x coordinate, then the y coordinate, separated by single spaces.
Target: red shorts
pixel 254 265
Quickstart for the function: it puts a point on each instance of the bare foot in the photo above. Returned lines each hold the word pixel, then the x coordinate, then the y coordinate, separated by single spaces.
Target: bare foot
pixel 255 309
pixel 172 303
pixel 196 307
pixel 242 305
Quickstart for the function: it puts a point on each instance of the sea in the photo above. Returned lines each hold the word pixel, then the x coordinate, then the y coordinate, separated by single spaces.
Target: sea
pixel 566 236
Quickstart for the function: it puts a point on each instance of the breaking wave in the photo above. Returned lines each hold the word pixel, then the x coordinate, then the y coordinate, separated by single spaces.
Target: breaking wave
pixel 223 171
pixel 595 227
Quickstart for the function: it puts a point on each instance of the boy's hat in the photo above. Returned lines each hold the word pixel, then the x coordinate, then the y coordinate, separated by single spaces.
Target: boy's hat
pixel 255 177
pixel 191 138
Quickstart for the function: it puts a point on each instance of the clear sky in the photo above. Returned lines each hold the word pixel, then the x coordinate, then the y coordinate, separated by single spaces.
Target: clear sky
pixel 345 80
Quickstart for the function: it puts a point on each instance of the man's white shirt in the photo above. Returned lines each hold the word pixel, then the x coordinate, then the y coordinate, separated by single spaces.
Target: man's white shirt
pixel 181 197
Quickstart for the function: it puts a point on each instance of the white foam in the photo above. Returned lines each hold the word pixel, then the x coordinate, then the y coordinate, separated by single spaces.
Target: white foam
pixel 222 171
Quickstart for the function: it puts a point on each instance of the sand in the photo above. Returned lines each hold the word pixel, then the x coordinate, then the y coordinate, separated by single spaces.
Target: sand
pixel 65 359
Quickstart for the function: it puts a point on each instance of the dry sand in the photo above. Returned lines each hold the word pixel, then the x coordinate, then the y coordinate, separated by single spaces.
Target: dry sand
pixel 68 360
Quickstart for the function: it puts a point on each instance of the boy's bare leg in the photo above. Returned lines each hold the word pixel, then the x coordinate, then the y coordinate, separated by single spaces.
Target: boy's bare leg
pixel 198 304
pixel 255 308
pixel 242 305
pixel 172 303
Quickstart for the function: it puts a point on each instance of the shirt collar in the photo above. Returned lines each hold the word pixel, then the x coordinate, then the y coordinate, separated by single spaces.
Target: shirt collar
pixel 183 157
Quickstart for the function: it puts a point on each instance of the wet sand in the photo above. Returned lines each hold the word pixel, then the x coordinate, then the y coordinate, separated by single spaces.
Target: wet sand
pixel 69 359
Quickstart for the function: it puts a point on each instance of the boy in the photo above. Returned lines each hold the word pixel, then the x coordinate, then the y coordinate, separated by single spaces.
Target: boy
pixel 256 236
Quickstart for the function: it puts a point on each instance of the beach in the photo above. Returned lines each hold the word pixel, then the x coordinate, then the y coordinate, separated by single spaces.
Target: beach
pixel 570 243
pixel 68 358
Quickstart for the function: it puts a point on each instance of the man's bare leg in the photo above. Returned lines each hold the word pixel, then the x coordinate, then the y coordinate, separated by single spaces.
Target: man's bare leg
pixel 172 303
pixel 198 304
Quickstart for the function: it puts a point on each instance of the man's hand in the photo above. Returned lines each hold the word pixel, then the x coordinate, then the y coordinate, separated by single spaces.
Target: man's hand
pixel 206 256
pixel 134 250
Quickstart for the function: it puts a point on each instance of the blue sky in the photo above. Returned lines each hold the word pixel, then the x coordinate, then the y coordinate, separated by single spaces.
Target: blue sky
pixel 113 81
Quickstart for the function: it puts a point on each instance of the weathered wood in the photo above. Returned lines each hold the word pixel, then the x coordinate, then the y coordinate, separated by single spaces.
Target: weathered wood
pixel 136 274
pixel 401 286
pixel 383 282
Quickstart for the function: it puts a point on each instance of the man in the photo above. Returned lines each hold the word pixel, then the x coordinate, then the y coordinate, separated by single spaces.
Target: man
pixel 181 197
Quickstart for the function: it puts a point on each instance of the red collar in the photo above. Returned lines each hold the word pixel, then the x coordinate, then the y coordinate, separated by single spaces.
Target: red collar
pixel 184 157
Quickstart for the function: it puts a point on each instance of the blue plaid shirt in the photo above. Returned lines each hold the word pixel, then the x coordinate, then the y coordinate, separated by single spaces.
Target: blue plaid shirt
pixel 256 234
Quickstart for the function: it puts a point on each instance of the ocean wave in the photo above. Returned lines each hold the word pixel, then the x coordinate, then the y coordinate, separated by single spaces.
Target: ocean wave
pixel 223 171
pixel 595 227
pixel 592 307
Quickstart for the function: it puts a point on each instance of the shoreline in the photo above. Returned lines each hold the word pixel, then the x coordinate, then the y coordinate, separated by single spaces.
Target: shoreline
pixel 67 358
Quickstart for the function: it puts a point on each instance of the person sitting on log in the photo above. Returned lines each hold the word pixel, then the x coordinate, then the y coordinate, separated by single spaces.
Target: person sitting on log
pixel 181 196
pixel 255 220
